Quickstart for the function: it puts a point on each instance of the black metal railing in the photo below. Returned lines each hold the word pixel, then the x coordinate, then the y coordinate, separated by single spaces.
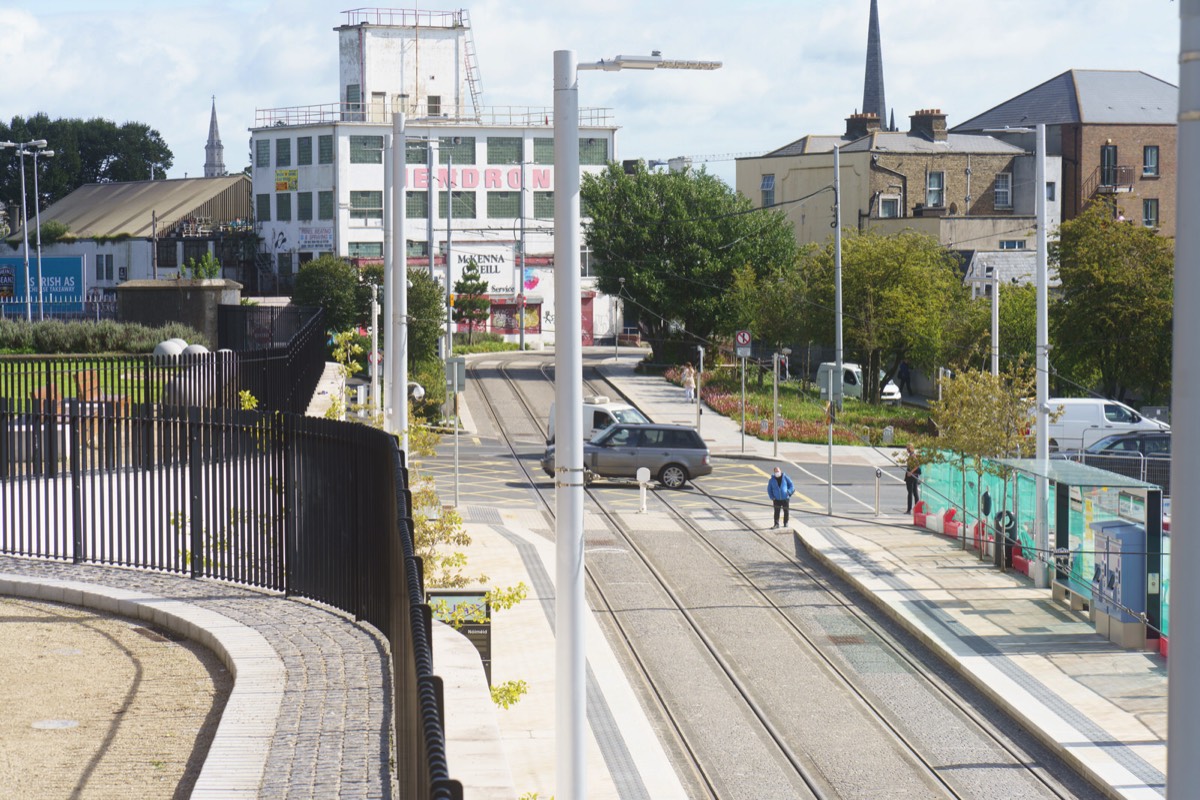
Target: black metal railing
pixel 245 328
pixel 112 473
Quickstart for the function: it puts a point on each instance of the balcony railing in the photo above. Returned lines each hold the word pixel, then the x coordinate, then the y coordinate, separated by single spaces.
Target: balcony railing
pixel 418 114
pixel 1110 180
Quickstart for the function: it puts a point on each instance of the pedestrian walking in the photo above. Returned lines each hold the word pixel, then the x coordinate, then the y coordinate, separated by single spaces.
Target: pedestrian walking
pixel 689 382
pixel 912 477
pixel 905 376
pixel 780 489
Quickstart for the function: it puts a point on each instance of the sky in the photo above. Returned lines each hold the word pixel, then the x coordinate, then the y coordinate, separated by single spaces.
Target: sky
pixel 791 67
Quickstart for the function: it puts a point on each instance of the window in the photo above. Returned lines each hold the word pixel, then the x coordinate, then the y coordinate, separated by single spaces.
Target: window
pixel 889 207
pixel 460 148
pixel 1150 161
pixel 283 207
pixel 1108 165
pixel 303 151
pixel 304 206
pixel 1116 413
pixel 194 250
pixel 543 205
pixel 366 149
pixel 434 103
pixel 104 267
pixel 283 152
pixel 262 153
pixel 325 149
pixel 503 205
pixel 325 205
pixel 587 264
pixel 1050 191
pixel 767 187
pixel 543 150
pixel 593 151
pixel 168 252
pixel 935 190
pixel 1002 191
pixel 283 263
pixel 366 249
pixel 416 152
pixel 262 210
pixel 464 205
pixel 1012 244
pixel 353 98
pixel 416 205
pixel 366 205
pixel 505 150
pixel 1150 213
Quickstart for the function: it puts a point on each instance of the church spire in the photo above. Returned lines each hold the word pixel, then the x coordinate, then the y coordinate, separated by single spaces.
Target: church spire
pixel 873 100
pixel 214 153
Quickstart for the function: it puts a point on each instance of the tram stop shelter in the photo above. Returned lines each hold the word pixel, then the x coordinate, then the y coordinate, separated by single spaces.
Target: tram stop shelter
pixel 1106 534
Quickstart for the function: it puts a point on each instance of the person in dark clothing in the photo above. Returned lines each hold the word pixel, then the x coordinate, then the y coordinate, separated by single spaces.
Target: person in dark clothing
pixel 912 477
pixel 905 377
pixel 780 489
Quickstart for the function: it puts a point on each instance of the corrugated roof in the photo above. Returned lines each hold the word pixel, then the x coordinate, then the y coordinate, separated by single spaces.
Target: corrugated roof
pixel 1086 96
pixel 114 209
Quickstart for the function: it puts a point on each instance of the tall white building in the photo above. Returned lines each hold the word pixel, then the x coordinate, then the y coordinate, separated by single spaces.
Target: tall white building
pixel 318 177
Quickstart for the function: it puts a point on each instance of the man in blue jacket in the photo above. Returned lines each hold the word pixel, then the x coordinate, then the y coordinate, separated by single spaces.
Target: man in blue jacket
pixel 780 489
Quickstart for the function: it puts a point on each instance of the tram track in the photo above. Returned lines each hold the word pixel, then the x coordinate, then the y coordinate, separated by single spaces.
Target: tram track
pixel 939 778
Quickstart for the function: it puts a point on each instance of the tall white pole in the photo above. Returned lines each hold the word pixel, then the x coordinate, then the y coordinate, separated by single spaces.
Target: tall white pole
pixel 570 656
pixel 25 235
pixel 398 323
pixel 449 257
pixel 37 215
pixel 1183 696
pixel 995 322
pixel 376 367
pixel 837 274
pixel 521 267
pixel 389 289
pixel 431 200
pixel 1044 564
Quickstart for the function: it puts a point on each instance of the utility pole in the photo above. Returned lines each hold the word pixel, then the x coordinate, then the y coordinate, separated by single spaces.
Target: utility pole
pixel 837 275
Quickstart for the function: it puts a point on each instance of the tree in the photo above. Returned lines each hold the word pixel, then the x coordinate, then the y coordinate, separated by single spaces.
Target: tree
pixel 470 303
pixel 426 316
pixel 332 283
pixel 1114 310
pixel 981 418
pixel 899 294
pixel 767 306
pixel 86 151
pixel 676 239
pixel 206 267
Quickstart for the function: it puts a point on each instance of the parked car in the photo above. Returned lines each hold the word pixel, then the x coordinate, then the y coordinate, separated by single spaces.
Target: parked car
pixel 1085 420
pixel 599 411
pixel 852 382
pixel 674 454
pixel 1142 455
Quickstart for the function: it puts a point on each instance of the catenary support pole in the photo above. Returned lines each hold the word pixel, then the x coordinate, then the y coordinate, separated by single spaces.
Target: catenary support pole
pixel 398 324
pixel 389 288
pixel 1183 692
pixel 837 278
pixel 1044 565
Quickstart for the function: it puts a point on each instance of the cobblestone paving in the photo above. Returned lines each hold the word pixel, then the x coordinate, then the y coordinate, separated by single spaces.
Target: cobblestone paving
pixel 332 738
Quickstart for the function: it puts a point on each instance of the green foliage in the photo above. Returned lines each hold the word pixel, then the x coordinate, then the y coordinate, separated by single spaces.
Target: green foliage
pixel 898 294
pixel 87 151
pixel 346 349
pixel 331 283
pixel 676 239
pixel 470 304
pixel 206 268
pixel 426 317
pixel 51 337
pixel 484 343
pixel 767 305
pixel 431 374
pixel 247 401
pixel 982 417
pixel 371 275
pixel 53 230
pixel 509 693
pixel 1115 307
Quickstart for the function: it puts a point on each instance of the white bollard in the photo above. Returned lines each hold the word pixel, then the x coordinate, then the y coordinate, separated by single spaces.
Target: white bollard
pixel 643 476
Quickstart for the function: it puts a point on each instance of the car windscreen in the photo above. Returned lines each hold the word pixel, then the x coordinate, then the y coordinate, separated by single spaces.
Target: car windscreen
pixel 629 415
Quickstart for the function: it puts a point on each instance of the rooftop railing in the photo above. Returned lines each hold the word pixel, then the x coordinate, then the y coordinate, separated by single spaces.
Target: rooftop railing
pixel 419 115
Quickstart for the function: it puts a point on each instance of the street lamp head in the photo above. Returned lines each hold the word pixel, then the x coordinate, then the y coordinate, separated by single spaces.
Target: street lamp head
pixel 38 143
pixel 46 153
pixel 7 144
pixel 652 61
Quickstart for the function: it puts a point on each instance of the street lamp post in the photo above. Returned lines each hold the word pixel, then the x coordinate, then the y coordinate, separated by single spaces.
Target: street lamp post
pixel 570 658
pixel 31 146
pixel 775 397
pixel 37 217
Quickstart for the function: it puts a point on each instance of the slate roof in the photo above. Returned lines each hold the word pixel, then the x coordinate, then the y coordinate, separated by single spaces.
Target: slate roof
pixel 113 209
pixel 1086 96
pixel 1011 266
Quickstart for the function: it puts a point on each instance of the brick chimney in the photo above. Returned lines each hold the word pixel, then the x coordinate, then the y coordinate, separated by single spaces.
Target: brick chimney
pixel 930 123
pixel 859 125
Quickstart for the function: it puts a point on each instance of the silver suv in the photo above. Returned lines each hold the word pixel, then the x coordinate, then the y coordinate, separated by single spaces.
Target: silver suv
pixel 674 454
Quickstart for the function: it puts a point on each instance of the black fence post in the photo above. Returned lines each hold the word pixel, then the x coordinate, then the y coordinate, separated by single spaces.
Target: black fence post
pixel 195 492
pixel 75 443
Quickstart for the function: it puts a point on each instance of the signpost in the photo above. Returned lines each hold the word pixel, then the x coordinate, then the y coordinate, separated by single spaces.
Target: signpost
pixel 742 346
pixel 457 369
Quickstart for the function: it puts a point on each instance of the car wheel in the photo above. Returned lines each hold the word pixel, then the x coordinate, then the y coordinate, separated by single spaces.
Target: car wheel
pixel 673 476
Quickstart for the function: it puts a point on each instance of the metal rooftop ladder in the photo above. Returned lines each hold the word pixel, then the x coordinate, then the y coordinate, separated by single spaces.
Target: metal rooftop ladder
pixel 474 79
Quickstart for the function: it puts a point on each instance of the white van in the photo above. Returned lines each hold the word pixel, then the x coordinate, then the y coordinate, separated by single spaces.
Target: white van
pixel 852 382
pixel 599 412
pixel 1085 420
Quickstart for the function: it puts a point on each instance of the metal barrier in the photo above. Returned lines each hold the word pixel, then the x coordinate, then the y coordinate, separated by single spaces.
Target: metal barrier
pixel 308 507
